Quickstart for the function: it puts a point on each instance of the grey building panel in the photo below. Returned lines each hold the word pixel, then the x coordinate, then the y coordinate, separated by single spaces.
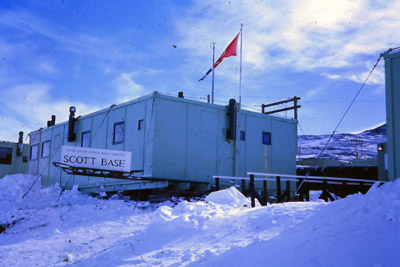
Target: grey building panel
pixel 10 162
pixel 174 138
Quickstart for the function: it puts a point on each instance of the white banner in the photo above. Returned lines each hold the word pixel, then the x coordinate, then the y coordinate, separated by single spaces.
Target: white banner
pixel 112 160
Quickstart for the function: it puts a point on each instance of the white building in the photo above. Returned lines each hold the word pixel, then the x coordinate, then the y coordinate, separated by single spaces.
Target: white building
pixel 13 157
pixel 178 141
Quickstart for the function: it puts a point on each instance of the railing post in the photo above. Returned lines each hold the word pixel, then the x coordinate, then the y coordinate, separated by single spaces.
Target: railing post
pixel 288 191
pixel 307 190
pixel 243 187
pixel 344 190
pixel 325 190
pixel 278 189
pixel 361 187
pixel 217 184
pixel 251 187
pixel 265 191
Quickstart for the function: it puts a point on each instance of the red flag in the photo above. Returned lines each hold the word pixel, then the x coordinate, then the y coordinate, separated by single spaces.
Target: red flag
pixel 229 51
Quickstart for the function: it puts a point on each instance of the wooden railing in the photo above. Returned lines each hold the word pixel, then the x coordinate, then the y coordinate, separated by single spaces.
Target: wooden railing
pixel 303 185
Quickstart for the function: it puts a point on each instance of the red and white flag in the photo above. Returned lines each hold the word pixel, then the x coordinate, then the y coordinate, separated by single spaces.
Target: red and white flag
pixel 229 51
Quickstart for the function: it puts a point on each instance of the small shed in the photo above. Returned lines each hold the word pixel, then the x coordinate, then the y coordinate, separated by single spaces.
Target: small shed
pixel 13 157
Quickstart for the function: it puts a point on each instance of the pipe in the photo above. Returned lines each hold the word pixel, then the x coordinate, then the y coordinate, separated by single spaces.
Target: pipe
pixel 20 144
pixel 71 124
pixel 232 119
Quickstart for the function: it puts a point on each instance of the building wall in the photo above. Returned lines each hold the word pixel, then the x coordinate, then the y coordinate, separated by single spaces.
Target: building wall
pixel 392 80
pixel 190 142
pixel 101 127
pixel 182 140
pixel 11 163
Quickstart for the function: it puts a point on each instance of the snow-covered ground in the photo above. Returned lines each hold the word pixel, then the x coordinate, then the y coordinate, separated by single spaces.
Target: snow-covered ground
pixel 46 229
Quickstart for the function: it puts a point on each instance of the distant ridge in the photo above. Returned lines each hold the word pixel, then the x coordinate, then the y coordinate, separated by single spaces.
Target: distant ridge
pixel 341 146
pixel 378 130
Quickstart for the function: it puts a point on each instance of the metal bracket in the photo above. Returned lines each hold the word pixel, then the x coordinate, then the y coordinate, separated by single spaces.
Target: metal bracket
pixel 97 172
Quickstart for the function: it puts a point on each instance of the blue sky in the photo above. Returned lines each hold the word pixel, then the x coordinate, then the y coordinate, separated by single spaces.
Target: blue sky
pixel 91 54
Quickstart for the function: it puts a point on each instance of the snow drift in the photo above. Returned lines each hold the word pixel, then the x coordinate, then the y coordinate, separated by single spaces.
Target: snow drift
pixel 54 228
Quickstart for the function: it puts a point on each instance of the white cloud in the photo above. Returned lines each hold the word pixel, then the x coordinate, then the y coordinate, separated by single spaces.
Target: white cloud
pixel 127 88
pixel 46 67
pixel 27 107
pixel 314 92
pixel 28 24
pixel 298 35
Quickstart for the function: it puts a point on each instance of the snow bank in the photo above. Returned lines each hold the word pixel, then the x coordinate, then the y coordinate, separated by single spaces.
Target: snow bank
pixel 48 228
pixel 361 230
pixel 12 187
pixel 197 216
pixel 230 196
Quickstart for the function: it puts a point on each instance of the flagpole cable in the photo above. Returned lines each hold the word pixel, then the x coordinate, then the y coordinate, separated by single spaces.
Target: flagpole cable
pixel 240 72
pixel 212 85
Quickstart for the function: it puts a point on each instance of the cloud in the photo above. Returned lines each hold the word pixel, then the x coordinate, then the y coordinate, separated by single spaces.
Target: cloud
pixel 314 92
pixel 296 35
pixel 46 67
pixel 127 88
pixel 28 25
pixel 26 107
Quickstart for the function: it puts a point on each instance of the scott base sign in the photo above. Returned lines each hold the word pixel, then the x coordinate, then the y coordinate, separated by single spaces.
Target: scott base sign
pixel 112 160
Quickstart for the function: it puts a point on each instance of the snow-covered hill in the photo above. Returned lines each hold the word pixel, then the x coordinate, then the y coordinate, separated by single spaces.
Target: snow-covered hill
pixel 341 147
pixel 51 228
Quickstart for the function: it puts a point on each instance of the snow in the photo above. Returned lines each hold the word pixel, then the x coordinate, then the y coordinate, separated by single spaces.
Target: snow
pixel 53 228
pixel 340 147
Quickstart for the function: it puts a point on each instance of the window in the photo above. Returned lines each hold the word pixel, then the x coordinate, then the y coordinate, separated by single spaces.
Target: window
pixel 45 149
pixel 266 138
pixel 242 135
pixel 140 125
pixel 118 136
pixel 5 155
pixel 34 152
pixel 85 141
pixel 24 158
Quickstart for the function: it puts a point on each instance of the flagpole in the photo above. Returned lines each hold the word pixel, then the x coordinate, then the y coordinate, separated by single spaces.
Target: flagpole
pixel 212 86
pixel 240 79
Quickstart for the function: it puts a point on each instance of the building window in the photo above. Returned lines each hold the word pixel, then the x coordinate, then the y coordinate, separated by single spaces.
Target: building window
pixel 24 159
pixel 34 152
pixel 140 125
pixel 266 138
pixel 45 149
pixel 5 155
pixel 118 136
pixel 85 141
pixel 242 135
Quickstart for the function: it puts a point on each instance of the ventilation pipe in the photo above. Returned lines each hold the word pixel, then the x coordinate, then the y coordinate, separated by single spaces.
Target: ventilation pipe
pixel 20 144
pixel 180 94
pixel 232 119
pixel 52 122
pixel 71 124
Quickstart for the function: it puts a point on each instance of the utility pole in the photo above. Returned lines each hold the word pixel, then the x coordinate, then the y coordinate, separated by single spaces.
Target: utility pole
pixel 356 143
pixel 212 86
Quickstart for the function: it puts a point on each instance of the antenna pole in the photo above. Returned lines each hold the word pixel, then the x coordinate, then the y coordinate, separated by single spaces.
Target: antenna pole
pixel 240 79
pixel 212 85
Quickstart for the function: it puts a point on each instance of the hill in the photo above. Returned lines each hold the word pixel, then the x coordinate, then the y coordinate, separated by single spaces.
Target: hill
pixel 342 146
